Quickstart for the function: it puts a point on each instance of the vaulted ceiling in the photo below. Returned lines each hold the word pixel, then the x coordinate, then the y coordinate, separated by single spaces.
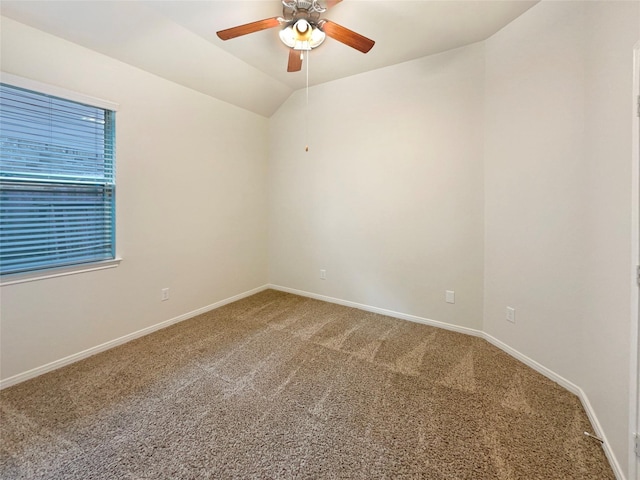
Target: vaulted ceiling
pixel 176 39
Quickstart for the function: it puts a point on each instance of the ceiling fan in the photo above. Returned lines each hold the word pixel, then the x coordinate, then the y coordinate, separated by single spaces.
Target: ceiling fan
pixel 302 29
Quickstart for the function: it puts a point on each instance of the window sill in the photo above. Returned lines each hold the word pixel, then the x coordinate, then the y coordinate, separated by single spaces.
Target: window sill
pixel 58 272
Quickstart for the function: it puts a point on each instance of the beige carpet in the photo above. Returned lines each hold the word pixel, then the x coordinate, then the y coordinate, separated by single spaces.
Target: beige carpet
pixel 280 386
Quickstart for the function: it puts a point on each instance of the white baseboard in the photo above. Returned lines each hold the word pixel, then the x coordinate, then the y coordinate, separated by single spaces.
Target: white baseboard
pixel 34 372
pixel 550 374
pixel 381 311
pixel 21 377
pixel 573 388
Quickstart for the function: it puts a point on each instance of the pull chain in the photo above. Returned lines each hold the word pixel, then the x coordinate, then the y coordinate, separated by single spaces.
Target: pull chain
pixel 306 149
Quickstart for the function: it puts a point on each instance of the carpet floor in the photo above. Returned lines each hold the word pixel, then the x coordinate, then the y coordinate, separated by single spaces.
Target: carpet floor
pixel 277 386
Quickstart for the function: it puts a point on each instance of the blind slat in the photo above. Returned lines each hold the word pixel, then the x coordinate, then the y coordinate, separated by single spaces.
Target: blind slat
pixel 57 181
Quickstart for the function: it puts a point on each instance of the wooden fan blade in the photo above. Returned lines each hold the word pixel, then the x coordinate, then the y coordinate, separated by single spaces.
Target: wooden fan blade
pixel 295 62
pixel 346 36
pixel 248 28
pixel 331 3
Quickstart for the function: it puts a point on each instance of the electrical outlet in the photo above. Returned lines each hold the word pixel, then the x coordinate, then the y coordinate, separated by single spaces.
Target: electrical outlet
pixel 511 314
pixel 164 294
pixel 323 274
pixel 450 296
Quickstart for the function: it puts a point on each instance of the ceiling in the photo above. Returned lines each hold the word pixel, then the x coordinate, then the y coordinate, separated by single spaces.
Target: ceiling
pixel 176 39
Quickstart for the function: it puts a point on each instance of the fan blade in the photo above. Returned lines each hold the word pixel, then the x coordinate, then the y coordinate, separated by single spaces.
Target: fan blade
pixel 346 36
pixel 295 61
pixel 248 28
pixel 331 3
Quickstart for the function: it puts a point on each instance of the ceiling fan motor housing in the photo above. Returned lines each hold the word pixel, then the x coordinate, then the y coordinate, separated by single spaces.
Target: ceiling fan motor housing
pixel 308 6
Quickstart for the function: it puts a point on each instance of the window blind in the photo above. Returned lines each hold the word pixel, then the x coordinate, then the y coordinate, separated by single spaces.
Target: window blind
pixel 57 182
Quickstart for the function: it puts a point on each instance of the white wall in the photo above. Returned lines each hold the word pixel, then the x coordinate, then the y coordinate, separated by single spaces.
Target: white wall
pixel 191 207
pixel 558 196
pixel 608 112
pixel 501 168
pixel 389 198
pixel 535 176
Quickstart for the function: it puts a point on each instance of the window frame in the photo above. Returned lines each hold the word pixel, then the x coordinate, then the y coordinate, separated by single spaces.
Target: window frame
pixel 47 89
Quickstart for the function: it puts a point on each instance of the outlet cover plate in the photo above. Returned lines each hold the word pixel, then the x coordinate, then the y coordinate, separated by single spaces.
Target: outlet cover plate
pixel 511 314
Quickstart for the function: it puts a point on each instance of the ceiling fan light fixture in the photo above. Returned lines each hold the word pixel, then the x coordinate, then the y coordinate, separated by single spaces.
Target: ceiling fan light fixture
pixel 302 30
pixel 317 37
pixel 302 36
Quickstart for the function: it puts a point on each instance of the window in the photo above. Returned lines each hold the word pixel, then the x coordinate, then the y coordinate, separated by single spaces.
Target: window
pixel 57 182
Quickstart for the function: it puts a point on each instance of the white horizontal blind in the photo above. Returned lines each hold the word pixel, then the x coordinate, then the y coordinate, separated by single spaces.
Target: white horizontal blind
pixel 57 182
